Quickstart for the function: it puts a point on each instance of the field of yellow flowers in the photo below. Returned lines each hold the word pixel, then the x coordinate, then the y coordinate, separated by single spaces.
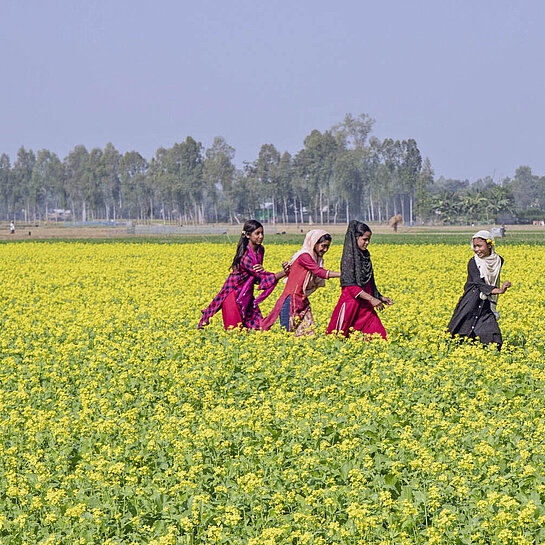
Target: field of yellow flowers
pixel 120 423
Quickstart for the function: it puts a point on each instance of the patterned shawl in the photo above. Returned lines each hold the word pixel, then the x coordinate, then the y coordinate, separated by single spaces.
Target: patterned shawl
pixel 356 266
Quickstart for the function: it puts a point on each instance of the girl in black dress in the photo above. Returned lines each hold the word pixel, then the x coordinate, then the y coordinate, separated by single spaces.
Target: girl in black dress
pixel 475 314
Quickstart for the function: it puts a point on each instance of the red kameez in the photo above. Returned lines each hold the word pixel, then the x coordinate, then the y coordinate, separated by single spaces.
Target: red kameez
pixel 300 313
pixel 353 312
pixel 233 315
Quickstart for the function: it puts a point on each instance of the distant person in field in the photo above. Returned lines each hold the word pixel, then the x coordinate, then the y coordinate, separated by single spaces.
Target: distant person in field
pixel 360 299
pixel 12 227
pixel 395 221
pixel 306 275
pixel 475 314
pixel 236 298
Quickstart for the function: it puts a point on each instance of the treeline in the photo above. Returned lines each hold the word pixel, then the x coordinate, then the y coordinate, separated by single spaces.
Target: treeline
pixel 339 174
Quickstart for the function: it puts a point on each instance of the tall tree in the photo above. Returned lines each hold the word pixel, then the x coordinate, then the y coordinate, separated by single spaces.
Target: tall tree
pixel 349 182
pixel 285 184
pixel 136 188
pixel 219 172
pixel 6 187
pixel 112 195
pixel 76 169
pixel 410 167
pixel 353 132
pixel 316 164
pixel 266 166
pixel 424 182
pixel 22 176
pixel 46 174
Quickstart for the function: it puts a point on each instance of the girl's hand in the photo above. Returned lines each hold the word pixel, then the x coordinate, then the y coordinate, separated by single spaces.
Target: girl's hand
pixel 387 301
pixel 258 268
pixel 505 285
pixel 377 303
pixel 286 266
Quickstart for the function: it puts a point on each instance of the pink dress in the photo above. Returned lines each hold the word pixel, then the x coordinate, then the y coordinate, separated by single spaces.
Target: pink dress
pixel 236 297
pixel 301 319
pixel 353 312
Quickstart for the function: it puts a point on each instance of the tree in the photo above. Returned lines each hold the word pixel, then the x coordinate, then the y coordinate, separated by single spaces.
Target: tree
pixel 76 163
pixel 218 172
pixel 266 166
pixel 352 133
pixel 316 164
pixel 188 157
pixel 285 184
pixel 46 173
pixel 349 182
pixel 22 176
pixel 246 195
pixel 111 189
pixel 6 186
pixel 424 182
pixel 410 167
pixel 135 187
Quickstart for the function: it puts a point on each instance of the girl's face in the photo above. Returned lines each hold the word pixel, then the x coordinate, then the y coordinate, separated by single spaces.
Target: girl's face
pixel 256 237
pixel 364 240
pixel 322 247
pixel 481 247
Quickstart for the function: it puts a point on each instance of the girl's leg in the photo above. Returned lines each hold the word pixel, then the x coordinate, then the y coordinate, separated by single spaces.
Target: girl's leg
pixel 230 312
pixel 285 314
pixel 369 323
pixel 306 324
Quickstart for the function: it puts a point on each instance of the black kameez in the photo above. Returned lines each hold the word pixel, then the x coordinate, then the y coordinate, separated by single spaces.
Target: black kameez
pixel 472 316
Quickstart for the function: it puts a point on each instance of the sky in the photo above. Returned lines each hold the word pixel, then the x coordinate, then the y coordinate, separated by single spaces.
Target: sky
pixel 465 79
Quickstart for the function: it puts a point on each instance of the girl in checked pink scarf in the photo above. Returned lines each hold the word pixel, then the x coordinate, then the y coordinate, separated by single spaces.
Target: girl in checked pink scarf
pixel 236 297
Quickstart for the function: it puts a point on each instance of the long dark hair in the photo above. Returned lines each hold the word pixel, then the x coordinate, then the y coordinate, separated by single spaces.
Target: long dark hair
pixel 247 229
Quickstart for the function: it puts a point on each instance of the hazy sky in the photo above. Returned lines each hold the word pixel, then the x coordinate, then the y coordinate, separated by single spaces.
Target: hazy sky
pixel 466 79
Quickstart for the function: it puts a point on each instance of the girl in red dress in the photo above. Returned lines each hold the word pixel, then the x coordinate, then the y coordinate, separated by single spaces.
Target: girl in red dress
pixel 236 297
pixel 360 298
pixel 306 275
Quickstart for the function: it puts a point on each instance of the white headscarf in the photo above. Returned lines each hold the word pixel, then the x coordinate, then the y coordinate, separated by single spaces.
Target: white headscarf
pixel 489 268
pixel 312 237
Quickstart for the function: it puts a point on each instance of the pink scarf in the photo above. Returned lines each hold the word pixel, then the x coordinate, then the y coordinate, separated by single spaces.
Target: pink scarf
pixel 311 239
pixel 247 292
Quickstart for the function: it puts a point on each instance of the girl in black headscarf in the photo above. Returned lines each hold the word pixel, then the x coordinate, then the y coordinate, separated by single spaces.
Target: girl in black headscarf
pixel 356 308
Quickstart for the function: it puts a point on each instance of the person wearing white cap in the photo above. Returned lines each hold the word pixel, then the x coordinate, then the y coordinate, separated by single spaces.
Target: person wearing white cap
pixel 475 315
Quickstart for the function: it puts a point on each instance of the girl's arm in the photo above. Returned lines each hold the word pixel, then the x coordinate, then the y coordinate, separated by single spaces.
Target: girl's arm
pixel 503 289
pixel 286 270
pixel 377 302
pixel 474 278
pixel 264 279
pixel 315 269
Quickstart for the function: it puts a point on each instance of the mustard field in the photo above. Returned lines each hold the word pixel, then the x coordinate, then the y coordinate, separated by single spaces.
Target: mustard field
pixel 121 423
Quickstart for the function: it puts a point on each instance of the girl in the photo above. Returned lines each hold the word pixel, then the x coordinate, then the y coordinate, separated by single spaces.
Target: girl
pixel 236 297
pixel 360 296
pixel 306 275
pixel 475 314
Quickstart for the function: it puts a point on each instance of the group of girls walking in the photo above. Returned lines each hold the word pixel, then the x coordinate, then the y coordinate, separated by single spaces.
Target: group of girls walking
pixel 356 310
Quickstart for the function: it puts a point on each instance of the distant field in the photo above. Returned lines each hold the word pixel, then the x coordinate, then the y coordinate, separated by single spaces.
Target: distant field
pixel 279 234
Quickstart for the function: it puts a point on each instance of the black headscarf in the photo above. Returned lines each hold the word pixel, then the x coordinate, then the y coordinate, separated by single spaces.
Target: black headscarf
pixel 356 266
